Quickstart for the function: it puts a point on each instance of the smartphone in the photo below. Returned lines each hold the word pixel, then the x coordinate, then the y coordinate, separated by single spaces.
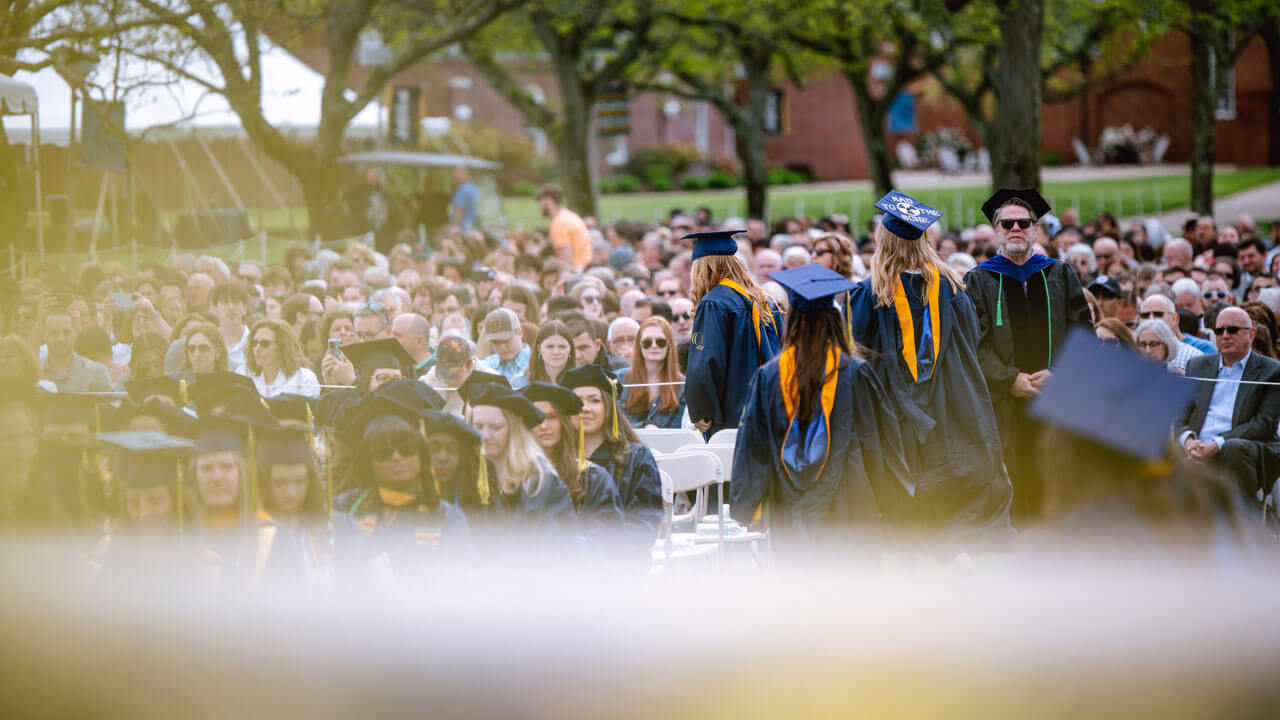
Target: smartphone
pixel 124 301
pixel 335 347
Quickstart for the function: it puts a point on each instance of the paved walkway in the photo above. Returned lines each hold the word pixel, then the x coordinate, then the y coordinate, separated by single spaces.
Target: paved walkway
pixel 1262 202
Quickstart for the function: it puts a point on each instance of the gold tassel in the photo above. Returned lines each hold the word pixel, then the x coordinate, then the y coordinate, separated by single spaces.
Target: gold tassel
pixel 422 428
pixel 613 393
pixel 311 419
pixel 328 468
pixel 182 392
pixel 582 447
pixel 484 480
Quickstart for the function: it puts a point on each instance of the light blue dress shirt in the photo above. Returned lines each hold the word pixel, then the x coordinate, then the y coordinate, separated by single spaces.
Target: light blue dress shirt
pixel 1223 403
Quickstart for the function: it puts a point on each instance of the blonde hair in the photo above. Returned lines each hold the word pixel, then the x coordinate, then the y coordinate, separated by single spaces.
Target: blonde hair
pixel 895 255
pixel 842 248
pixel 520 462
pixel 707 272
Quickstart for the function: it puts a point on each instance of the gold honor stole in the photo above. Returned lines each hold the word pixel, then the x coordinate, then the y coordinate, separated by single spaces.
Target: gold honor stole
pixel 755 313
pixel 786 379
pixel 908 327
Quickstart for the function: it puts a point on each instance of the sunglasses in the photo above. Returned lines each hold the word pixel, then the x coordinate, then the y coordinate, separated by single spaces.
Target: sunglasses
pixel 652 342
pixel 263 343
pixel 683 316
pixel 1215 294
pixel 199 348
pixel 1020 223
pixel 1229 330
pixel 1104 257
pixel 820 252
pixel 1152 314
pixel 669 293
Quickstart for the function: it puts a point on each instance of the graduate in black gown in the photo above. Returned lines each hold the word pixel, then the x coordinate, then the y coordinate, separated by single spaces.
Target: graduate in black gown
pixel 611 443
pixel 595 496
pixel 461 472
pixel 147 471
pixel 295 542
pixel 736 329
pixel 1026 303
pixel 818 440
pixel 914 316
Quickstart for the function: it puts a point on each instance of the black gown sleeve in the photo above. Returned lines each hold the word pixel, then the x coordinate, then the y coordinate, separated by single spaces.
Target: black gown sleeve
pixel 753 467
pixel 601 508
pixel 642 507
pixel 999 375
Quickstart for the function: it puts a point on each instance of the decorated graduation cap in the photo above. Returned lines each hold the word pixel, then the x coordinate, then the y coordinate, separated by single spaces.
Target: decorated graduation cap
pixel 285 446
pixel 507 399
pixel 714 242
pixel 377 354
pixel 1112 396
pixel 212 390
pixel 811 287
pixel 478 379
pixel 412 394
pixel 1000 198
pixel 905 216
pixel 560 397
pixel 596 377
pixel 158 386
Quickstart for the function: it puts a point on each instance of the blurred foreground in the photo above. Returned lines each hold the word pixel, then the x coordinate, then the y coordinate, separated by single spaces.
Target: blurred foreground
pixel 1051 635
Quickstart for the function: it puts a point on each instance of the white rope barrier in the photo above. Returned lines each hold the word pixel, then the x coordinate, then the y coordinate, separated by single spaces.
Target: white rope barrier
pixel 120 393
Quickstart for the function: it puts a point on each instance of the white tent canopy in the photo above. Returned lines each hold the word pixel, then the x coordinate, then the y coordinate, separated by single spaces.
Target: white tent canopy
pixel 291 94
pixel 16 98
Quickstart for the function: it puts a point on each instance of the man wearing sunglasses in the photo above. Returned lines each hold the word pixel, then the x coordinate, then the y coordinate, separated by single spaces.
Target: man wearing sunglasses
pixel 1232 421
pixel 1026 303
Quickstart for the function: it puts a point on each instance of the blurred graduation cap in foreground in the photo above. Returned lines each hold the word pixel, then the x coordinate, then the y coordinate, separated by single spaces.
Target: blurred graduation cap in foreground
pixel 810 288
pixel 1112 396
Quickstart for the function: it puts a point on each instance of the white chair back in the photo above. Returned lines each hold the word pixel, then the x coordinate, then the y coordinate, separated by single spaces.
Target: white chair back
pixel 691 469
pixel 667 440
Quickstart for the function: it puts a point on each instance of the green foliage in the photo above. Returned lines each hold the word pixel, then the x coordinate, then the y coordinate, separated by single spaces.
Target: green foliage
pixel 718 180
pixel 521 188
pixel 622 183
pixel 675 158
pixel 515 152
pixel 693 182
pixel 787 176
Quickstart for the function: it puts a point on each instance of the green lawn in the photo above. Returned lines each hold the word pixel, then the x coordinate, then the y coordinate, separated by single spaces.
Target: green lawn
pixel 961 206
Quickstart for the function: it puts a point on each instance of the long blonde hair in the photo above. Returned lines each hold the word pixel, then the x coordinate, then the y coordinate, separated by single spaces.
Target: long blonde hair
pixel 707 272
pixel 520 463
pixel 895 255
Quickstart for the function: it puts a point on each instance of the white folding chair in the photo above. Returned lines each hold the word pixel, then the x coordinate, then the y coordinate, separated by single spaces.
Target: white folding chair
pixel 667 440
pixel 691 471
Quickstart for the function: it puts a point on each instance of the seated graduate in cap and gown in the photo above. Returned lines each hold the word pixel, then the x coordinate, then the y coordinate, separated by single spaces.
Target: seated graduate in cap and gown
pixel 295 543
pixel 530 490
pixel 595 496
pixel 392 523
pixel 819 440
pixel 914 316
pixel 460 471
pixel 1026 303
pixel 611 443
pixel 736 329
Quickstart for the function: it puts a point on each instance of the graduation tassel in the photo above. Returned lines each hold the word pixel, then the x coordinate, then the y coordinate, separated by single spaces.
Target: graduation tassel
pixel 613 393
pixel 181 484
pixel 582 447
pixel 999 301
pixel 484 479
pixel 253 472
pixel 328 469
pixel 182 392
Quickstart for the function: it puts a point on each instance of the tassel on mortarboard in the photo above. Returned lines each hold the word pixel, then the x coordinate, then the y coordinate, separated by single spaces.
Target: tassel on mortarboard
pixel 483 479
pixel 582 447
pixel 613 394
pixel 182 393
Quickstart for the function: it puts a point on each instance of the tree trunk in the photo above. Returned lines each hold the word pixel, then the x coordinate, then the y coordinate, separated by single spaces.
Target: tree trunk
pixel 1271 36
pixel 1015 151
pixel 871 115
pixel 573 155
pixel 13 207
pixel 325 214
pixel 749 131
pixel 1203 100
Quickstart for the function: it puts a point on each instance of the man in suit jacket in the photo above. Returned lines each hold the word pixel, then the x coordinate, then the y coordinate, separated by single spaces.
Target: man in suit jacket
pixel 1231 423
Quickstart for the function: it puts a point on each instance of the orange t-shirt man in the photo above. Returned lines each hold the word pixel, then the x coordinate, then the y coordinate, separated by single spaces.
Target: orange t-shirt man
pixel 567 229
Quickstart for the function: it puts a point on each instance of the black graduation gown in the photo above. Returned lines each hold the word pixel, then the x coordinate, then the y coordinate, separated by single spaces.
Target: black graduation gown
pixel 294 551
pixel 723 355
pixel 639 487
pixel 949 434
pixel 601 509
pixel 550 510
pixel 1013 338
pixel 465 493
pixel 864 455
pixel 367 544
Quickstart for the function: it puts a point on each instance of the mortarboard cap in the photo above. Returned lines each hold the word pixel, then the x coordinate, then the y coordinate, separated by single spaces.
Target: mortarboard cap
pixel 412 394
pixel 146 459
pixel 293 409
pixel 443 423
pixel 1112 396
pixel 75 409
pixel 333 406
pixel 214 389
pixel 591 375
pixel 561 398
pixel 478 379
pixel 905 216
pixel 714 242
pixel 160 385
pixel 285 446
pixel 507 399
pixel 811 287
pixel 376 354
pixel 374 407
pixel 171 419
pixel 1001 197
